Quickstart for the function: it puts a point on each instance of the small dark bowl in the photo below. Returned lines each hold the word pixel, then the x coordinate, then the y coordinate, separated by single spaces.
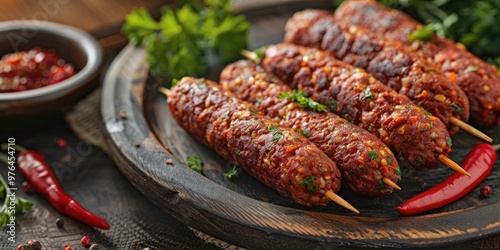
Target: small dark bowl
pixel 73 45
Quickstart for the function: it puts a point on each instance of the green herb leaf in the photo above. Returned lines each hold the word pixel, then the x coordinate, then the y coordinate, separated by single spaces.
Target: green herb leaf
pixel 373 155
pixel 347 117
pixel 253 111
pixel 398 172
pixel 333 105
pixel 232 173
pixel 449 141
pixel 178 43
pixel 423 34
pixel 303 101
pixel 368 94
pixel 381 184
pixel 236 152
pixel 475 24
pixel 274 128
pixel 309 184
pixel 21 205
pixel 456 107
pixel 277 136
pixel 195 162
pixel 304 132
pixel 389 160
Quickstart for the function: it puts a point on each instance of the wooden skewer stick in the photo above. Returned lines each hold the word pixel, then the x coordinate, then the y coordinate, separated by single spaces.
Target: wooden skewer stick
pixel 164 91
pixel 249 55
pixel 337 199
pixel 469 129
pixel 390 183
pixel 453 165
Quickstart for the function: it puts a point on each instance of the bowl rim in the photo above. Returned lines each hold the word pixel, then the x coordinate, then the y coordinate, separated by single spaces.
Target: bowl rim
pixel 86 42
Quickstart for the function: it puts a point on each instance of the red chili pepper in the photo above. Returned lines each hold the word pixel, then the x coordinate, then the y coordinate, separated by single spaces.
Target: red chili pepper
pixel 478 162
pixel 33 166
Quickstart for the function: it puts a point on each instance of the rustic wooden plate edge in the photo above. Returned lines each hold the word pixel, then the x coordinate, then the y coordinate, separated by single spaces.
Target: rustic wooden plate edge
pixel 128 160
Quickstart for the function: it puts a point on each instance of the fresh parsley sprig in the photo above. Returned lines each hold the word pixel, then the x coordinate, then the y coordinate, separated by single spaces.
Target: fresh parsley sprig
pixel 194 162
pixel 303 101
pixel 7 210
pixel 476 24
pixel 177 45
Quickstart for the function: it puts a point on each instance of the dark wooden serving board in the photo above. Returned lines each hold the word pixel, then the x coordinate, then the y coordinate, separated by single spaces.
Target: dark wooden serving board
pixel 244 212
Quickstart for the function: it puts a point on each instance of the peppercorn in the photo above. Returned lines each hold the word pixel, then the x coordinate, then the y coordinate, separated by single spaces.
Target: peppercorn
pixel 35 245
pixel 60 222
pixel 30 245
pixel 85 241
pixel 485 191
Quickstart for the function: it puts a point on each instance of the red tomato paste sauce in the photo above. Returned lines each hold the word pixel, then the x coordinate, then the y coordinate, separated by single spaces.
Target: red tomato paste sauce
pixel 36 68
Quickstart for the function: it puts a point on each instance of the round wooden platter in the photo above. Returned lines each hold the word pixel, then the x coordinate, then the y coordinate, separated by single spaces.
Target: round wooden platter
pixel 242 211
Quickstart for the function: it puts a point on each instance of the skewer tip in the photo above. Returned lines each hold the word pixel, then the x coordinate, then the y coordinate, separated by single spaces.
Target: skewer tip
pixel 249 54
pixel 453 165
pixel 339 200
pixel 469 129
pixel 390 183
pixel 164 91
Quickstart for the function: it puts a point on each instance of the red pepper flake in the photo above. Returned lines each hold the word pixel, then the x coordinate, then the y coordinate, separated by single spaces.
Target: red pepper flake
pixel 62 143
pixel 85 241
pixel 137 144
pixel 485 191
pixel 26 187
pixel 170 161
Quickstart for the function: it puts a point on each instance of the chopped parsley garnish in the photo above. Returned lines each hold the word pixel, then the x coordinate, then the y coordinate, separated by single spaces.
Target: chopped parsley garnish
pixel 303 101
pixel 236 152
pixel 274 128
pixel 398 172
pixel 456 107
pixel 363 168
pixel 449 142
pixel 277 136
pixel 381 184
pixel 309 184
pixel 232 173
pixel 419 160
pixel 333 105
pixel 252 111
pixel 304 132
pixel 423 34
pixel 373 155
pixel 259 52
pixel 195 162
pixel 426 112
pixel 389 160
pixel 368 94
pixel 347 117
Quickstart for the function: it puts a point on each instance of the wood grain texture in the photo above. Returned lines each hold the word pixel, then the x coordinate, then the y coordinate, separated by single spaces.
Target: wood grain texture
pixel 227 209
